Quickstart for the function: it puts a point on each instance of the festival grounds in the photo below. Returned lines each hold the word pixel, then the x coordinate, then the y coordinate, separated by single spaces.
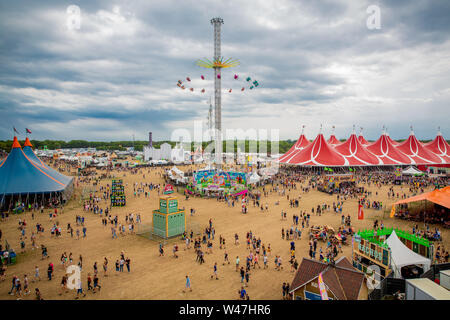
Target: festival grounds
pixel 155 277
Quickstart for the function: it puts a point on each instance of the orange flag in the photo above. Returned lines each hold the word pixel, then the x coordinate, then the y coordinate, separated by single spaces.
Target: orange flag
pixel 393 211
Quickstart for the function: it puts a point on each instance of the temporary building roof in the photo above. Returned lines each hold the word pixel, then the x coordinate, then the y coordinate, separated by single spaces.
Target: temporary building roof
pixel 402 256
pixel 21 175
pixel 362 140
pixel 395 143
pixel 416 151
pixel 431 288
pixel 254 178
pixel 384 149
pixel 333 140
pixel 438 196
pixel 411 170
pixel 28 151
pixel 356 153
pixel 301 143
pixel 440 147
pixel 318 153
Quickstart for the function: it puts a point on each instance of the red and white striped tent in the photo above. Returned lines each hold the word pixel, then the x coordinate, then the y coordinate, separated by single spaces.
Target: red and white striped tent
pixel 439 147
pixel 333 140
pixel 382 152
pixel 417 152
pixel 361 139
pixel 356 153
pixel 301 143
pixel 318 153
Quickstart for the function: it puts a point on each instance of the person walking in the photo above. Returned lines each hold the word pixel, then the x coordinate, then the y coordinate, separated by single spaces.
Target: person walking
pixel 188 284
pixel 215 271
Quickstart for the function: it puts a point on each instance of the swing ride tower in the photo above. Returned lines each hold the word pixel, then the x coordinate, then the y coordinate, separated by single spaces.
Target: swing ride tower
pixel 217 23
pixel 218 63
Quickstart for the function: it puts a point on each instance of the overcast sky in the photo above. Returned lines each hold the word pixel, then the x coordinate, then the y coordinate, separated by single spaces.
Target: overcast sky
pixel 316 63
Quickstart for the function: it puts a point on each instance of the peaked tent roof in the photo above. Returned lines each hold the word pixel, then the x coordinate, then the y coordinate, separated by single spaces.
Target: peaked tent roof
pixel 411 170
pixel 395 143
pixel 387 152
pixel 402 256
pixel 318 153
pixel 301 143
pixel 420 155
pixel 20 175
pixel 29 153
pixel 356 153
pixel 362 140
pixel 333 140
pixel 440 147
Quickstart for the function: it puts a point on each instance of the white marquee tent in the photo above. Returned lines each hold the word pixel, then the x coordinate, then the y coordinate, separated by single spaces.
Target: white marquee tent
pixel 402 256
pixel 411 171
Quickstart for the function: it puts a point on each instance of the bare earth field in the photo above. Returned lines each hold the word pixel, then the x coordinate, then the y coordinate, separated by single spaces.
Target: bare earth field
pixel 155 277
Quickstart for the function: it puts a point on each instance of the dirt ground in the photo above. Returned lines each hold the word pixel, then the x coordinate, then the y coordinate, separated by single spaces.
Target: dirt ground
pixel 155 277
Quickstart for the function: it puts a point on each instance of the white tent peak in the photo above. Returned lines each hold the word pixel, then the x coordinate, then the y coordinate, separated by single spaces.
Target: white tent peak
pixel 411 170
pixel 402 256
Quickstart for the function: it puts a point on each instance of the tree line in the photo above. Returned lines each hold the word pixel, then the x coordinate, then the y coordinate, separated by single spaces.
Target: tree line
pixel 263 146
pixel 283 145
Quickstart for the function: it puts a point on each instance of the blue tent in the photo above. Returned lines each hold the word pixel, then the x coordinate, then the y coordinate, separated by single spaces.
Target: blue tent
pixel 19 175
pixel 28 151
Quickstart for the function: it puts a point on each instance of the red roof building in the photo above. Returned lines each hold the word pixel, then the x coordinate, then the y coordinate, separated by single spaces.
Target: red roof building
pixel 342 281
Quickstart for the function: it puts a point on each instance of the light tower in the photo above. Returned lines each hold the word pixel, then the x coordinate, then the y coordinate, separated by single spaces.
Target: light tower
pixel 217 64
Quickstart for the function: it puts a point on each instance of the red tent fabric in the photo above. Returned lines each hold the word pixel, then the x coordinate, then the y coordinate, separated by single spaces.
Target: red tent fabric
pixel 439 147
pixel 301 143
pixel 416 151
pixel 333 140
pixel 356 153
pixel 318 153
pixel 386 151
pixel 362 140
pixel 395 143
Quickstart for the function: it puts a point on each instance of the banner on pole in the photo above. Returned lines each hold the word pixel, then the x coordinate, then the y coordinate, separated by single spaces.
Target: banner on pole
pixel 360 212
pixel 322 288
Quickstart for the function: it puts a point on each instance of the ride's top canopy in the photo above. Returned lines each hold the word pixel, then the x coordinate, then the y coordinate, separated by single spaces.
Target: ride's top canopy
pixel 20 174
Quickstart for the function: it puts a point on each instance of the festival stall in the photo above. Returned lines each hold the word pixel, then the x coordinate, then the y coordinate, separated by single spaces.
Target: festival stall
pixel 370 249
pixel 335 182
pixel 168 220
pixel 213 183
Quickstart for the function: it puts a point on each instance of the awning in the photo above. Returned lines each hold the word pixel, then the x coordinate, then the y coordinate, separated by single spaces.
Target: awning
pixel 438 196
